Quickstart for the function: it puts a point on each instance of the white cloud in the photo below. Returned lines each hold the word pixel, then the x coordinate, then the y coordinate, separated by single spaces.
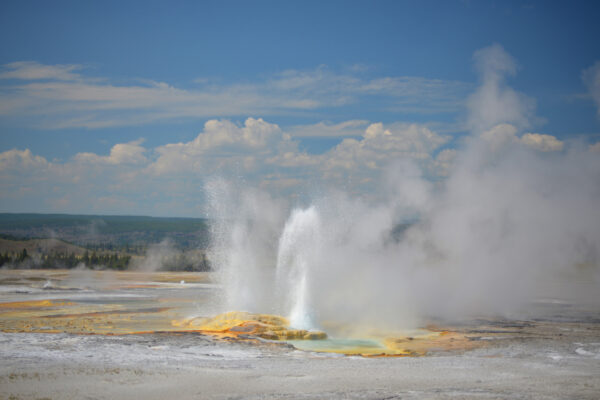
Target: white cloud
pixel 403 93
pixel 503 135
pixel 61 96
pixel 21 160
pixel 31 70
pixel 120 153
pixel 355 162
pixel 595 148
pixel 591 78
pixel 542 142
pixel 500 135
pixel 136 179
pixel 224 145
pixel 294 159
pixel 419 95
pixel 22 179
pixel 327 129
pixel 443 162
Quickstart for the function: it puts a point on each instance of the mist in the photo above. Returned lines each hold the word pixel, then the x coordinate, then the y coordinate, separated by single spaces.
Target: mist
pixel 156 257
pixel 516 220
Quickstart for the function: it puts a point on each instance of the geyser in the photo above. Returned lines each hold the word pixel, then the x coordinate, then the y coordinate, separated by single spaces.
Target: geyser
pixel 500 230
pixel 299 252
pixel 511 220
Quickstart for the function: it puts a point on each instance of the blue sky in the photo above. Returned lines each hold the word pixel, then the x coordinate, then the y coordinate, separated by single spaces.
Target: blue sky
pixel 81 79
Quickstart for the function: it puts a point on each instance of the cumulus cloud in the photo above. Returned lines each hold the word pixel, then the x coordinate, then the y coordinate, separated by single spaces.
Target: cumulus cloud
pixel 591 78
pixel 256 151
pixel 121 153
pixel 294 159
pixel 223 144
pixel 379 141
pixel 355 162
pixel 21 160
pixel 22 178
pixel 500 135
pixel 503 136
pixel 261 151
pixel 542 142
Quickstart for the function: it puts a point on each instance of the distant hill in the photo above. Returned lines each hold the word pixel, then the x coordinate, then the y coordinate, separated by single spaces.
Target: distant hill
pixel 101 223
pixel 35 246
pixel 108 232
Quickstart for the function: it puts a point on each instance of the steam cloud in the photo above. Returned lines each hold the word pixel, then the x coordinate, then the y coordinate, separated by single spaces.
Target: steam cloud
pixel 157 255
pixel 515 213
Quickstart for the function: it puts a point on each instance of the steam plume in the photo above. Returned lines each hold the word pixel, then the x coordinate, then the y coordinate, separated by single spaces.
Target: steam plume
pixel 508 219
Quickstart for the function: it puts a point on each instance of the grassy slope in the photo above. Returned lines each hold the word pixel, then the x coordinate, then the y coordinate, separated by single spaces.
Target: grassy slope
pixel 37 246
pixel 101 223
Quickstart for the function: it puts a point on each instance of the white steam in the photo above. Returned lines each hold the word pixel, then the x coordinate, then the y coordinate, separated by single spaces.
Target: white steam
pixel 494 102
pixel 246 226
pixel 517 209
pixel 299 253
pixel 156 257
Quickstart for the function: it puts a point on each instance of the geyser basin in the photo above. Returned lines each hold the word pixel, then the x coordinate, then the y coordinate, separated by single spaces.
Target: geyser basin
pixel 399 345
pixel 109 303
pixel 538 358
pixel 273 327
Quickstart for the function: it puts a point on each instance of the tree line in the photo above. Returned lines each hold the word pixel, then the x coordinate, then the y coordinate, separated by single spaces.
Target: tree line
pixel 115 261
pixel 65 260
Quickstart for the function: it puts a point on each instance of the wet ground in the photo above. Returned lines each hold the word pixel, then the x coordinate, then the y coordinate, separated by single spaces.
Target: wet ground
pixel 97 335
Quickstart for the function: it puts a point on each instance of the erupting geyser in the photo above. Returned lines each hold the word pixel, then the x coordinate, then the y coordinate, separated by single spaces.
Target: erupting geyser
pixel 510 223
pixel 299 251
pixel 507 227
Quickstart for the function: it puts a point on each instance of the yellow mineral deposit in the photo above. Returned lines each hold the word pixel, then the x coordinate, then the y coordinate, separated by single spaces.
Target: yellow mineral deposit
pixel 417 343
pixel 433 341
pixel 265 326
pixel 242 325
pixel 32 304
